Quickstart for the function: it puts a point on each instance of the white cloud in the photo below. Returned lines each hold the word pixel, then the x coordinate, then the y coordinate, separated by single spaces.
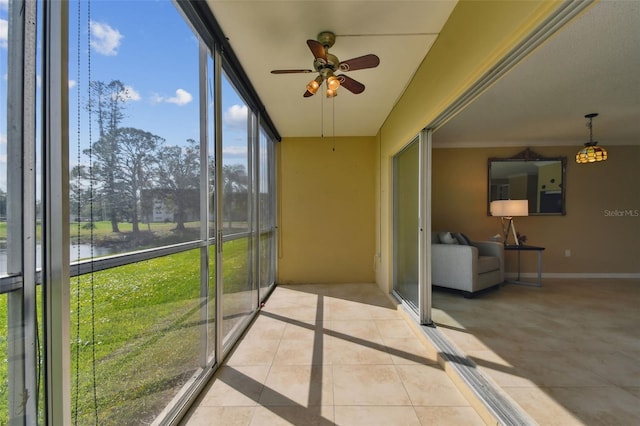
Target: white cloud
pixel 4 33
pixel 129 94
pixel 181 98
pixel 104 39
pixel 236 116
pixel 3 139
pixel 72 84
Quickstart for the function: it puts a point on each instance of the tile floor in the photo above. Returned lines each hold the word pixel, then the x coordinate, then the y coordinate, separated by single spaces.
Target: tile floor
pixel 568 353
pixel 332 355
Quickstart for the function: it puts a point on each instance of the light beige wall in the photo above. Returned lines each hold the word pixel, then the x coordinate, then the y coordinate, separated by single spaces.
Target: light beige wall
pixel 475 37
pixel 326 210
pixel 601 242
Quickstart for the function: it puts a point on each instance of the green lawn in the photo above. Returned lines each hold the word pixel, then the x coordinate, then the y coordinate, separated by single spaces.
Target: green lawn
pixel 147 322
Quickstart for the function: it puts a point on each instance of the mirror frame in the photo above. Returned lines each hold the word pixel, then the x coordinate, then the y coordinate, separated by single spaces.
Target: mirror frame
pixel 525 156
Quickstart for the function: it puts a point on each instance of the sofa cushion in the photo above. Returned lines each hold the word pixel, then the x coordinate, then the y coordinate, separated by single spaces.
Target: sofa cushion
pixel 447 238
pixel 462 239
pixel 488 264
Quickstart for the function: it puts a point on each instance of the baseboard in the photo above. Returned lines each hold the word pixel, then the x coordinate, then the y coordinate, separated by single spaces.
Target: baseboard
pixel 572 275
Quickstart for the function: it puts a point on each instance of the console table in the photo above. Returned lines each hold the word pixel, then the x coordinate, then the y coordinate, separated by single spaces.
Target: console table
pixel 522 248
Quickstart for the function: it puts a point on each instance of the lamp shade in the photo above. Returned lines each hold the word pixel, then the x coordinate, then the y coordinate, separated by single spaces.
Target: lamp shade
pixel 591 154
pixel 509 208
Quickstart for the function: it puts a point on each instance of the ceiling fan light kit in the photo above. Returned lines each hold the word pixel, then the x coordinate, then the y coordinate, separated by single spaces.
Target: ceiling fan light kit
pixel 326 64
pixel 591 152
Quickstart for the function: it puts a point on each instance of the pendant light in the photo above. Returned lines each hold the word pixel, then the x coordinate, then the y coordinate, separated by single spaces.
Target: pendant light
pixel 591 151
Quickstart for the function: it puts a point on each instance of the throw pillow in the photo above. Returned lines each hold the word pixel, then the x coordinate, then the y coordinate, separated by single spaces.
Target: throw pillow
pixel 447 238
pixel 462 239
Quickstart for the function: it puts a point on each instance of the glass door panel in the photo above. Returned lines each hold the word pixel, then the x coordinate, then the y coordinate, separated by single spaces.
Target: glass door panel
pixel 239 296
pixel 406 173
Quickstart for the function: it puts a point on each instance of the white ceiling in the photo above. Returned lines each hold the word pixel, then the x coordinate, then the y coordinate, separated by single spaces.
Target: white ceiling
pixel 591 65
pixel 267 35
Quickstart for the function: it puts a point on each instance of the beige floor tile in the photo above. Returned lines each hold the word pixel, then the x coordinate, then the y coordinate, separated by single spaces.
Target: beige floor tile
pixel 635 391
pixel 614 367
pixel 342 310
pixel 448 416
pixel 302 352
pixel 236 386
pixel 557 351
pixel 340 351
pixel 599 405
pixel 301 385
pixel 254 352
pixel 394 328
pixel 302 332
pixel 430 386
pixel 382 312
pixel 500 370
pixel 228 416
pixel 464 340
pixel 294 312
pixel 266 328
pixel 296 416
pixel 368 385
pixel 552 368
pixel 376 416
pixel 410 351
pixel 577 406
pixel 354 330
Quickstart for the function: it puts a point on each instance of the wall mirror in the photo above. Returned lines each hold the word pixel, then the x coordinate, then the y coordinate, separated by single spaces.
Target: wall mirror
pixel 528 175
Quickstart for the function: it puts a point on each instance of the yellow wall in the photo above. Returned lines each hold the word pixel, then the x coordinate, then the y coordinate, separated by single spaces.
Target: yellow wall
pixel 600 241
pixel 326 203
pixel 476 36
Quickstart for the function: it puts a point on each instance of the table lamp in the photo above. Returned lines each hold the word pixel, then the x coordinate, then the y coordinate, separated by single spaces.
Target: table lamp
pixel 506 210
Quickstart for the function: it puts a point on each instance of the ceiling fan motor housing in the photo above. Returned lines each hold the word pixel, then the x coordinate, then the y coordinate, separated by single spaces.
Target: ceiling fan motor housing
pixel 327 38
pixel 332 63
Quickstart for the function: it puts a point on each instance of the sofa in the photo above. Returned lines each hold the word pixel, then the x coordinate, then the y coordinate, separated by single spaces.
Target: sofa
pixel 467 266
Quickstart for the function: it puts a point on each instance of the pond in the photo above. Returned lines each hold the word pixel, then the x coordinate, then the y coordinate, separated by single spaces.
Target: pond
pixel 81 251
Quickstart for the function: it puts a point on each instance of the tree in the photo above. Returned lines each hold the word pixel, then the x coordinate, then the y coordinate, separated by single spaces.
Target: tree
pixel 79 193
pixel 107 102
pixel 235 181
pixel 3 205
pixel 137 151
pixel 179 178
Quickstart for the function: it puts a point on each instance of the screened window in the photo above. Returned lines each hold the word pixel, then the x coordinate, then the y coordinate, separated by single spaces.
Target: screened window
pixel 149 255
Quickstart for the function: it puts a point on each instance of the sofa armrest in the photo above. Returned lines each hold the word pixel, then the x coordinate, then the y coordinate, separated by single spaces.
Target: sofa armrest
pixel 491 248
pixel 454 266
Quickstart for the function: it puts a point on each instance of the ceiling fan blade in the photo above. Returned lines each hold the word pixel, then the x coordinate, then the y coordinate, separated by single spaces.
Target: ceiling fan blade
pixel 317 49
pixel 350 84
pixel 290 71
pixel 360 63
pixel 307 94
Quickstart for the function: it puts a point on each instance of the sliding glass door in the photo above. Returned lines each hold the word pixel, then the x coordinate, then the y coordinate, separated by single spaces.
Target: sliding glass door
pixel 406 169
pixel 411 226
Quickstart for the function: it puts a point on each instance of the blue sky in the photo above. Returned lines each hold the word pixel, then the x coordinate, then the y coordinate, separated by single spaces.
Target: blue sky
pixel 148 46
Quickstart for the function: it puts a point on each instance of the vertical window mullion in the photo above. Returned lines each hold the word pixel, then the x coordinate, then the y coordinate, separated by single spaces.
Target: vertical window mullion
pixel 21 259
pixel 217 111
pixel 424 239
pixel 204 204
pixel 55 221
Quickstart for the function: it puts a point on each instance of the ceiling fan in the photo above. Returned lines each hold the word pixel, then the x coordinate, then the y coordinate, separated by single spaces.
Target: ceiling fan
pixel 326 64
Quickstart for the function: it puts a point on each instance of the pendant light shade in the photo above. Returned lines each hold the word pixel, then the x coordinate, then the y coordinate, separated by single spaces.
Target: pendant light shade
pixel 591 152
